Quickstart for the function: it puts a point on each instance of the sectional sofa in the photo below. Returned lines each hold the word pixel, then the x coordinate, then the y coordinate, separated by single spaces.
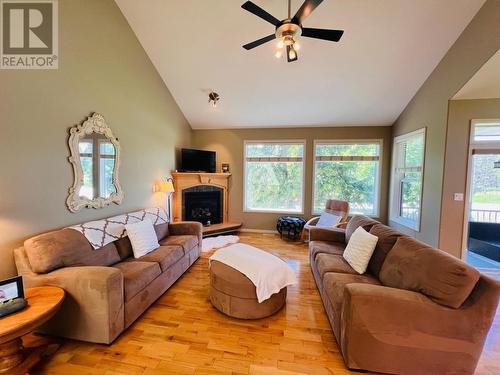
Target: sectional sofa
pixel 107 289
pixel 417 310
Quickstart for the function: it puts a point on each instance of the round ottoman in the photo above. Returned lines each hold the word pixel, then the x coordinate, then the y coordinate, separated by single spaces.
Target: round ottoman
pixel 233 294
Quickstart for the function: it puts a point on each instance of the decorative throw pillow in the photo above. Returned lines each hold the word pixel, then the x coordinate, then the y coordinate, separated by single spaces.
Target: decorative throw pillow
pixel 328 220
pixel 143 237
pixel 359 250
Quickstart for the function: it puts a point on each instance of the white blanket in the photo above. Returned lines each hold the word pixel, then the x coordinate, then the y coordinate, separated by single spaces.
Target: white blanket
pixel 217 242
pixel 269 273
pixel 101 232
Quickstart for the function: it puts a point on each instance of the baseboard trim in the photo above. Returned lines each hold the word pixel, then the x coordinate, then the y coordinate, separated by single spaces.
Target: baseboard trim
pixel 265 231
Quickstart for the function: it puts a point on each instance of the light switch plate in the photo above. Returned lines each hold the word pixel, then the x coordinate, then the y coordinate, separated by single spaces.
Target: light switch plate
pixel 459 197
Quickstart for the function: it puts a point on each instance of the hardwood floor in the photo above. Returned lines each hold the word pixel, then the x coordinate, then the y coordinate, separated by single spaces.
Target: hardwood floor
pixel 183 334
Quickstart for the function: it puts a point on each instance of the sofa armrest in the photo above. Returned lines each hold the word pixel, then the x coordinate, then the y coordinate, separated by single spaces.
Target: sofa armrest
pixel 413 328
pixel 329 235
pixel 187 227
pixel 93 309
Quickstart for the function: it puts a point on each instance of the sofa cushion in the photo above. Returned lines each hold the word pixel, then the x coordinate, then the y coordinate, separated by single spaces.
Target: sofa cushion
pixel 124 246
pixel 334 286
pixel 161 231
pixel 332 263
pixel 65 248
pixel 186 241
pixel 166 256
pixel 412 265
pixel 318 247
pixel 137 275
pixel 387 237
pixel 358 221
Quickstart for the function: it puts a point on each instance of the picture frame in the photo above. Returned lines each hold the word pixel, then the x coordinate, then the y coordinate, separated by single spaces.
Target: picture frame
pixel 225 168
pixel 11 289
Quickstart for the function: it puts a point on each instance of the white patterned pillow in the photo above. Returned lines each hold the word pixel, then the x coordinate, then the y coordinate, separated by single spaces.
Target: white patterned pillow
pixel 143 237
pixel 360 249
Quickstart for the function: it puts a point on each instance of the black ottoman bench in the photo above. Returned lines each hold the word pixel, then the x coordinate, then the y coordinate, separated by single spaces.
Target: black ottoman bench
pixel 290 225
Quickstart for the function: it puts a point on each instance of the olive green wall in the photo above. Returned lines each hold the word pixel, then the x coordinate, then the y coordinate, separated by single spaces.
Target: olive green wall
pixel 460 114
pixel 429 107
pixel 229 146
pixel 102 68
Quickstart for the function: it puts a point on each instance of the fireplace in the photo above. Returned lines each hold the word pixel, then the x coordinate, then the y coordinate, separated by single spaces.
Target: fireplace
pixel 201 197
pixel 203 203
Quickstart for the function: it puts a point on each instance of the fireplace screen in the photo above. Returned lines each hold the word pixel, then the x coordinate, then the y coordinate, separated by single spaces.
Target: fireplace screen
pixel 203 204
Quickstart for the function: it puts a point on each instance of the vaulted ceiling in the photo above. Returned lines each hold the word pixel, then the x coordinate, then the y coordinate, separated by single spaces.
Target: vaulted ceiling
pixel 485 84
pixel 388 50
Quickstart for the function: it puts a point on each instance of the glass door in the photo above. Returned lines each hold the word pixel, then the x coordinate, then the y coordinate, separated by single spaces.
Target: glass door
pixel 483 240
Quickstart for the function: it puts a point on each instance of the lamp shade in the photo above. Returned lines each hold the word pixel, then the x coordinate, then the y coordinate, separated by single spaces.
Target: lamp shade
pixel 167 187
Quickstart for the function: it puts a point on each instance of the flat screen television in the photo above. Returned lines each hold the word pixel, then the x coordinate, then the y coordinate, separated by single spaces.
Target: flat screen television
pixel 197 160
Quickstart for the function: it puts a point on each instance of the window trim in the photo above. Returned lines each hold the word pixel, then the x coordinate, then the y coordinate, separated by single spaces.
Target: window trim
pixel 281 141
pixel 378 182
pixel 394 198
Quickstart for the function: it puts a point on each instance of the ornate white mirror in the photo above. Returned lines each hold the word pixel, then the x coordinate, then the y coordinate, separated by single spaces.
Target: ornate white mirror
pixel 95 157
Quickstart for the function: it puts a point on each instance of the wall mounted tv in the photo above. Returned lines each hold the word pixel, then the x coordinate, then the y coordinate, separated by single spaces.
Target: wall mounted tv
pixel 197 160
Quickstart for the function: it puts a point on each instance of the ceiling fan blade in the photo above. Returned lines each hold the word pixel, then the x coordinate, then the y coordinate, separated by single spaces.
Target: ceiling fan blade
pixel 305 10
pixel 260 41
pixel 332 35
pixel 259 12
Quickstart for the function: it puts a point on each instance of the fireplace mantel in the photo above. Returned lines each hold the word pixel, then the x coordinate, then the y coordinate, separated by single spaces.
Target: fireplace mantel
pixel 187 180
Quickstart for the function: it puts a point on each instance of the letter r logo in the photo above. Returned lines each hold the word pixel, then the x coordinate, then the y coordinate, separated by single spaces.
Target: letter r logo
pixel 27 28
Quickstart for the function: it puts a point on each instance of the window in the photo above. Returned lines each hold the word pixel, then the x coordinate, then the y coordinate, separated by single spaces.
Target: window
pixel 97 182
pixel 350 171
pixel 485 131
pixel 274 176
pixel 406 186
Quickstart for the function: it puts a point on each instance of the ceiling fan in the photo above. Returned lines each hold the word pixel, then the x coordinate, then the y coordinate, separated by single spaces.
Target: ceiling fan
pixel 289 29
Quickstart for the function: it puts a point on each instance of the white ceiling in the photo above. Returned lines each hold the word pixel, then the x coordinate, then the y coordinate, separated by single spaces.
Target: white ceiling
pixel 485 84
pixel 388 50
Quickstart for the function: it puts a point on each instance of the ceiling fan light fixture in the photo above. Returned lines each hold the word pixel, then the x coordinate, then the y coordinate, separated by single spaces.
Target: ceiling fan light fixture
pixel 288 40
pixel 287 30
pixel 291 54
pixel 213 98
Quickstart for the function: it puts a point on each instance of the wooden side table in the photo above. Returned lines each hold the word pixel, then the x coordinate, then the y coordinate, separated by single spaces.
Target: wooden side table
pixel 43 303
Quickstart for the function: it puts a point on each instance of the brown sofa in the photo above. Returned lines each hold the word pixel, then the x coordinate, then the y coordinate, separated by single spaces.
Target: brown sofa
pixel 106 289
pixel 417 310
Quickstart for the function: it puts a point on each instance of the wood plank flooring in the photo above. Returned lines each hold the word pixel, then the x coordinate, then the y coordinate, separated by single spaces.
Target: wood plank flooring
pixel 183 334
